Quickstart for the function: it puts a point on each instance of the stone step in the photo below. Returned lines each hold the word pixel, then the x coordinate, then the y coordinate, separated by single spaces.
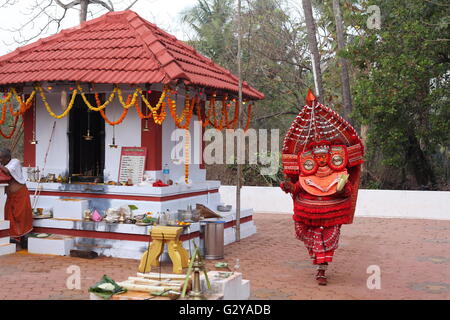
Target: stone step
pixel 4 240
pixel 55 244
pixel 8 248
pixel 4 224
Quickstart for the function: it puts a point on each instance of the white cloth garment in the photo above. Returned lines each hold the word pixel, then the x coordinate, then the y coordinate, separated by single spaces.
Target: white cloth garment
pixel 15 169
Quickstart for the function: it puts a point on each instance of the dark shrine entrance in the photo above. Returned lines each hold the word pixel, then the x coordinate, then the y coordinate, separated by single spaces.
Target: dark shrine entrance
pixel 86 142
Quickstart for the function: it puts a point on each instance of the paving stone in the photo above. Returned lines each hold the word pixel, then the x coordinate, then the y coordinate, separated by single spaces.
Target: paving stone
pixel 413 256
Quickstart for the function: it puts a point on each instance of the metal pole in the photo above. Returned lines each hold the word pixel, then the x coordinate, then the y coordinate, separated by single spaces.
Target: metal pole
pixel 239 167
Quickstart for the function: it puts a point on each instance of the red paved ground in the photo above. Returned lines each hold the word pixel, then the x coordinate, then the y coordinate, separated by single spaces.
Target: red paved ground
pixel 413 256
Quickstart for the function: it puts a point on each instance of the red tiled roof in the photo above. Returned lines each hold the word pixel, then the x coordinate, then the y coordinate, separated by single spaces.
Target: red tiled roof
pixel 118 47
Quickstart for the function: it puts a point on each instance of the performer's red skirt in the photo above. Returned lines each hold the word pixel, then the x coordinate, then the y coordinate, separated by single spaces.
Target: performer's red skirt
pixel 320 241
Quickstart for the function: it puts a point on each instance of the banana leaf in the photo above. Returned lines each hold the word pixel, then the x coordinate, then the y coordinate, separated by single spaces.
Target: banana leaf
pixel 106 294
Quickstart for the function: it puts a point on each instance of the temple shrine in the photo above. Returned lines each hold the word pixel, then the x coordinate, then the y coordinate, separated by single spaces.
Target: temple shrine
pixel 99 104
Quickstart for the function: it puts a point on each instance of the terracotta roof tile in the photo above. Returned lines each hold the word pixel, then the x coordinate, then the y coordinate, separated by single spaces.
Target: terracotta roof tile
pixel 118 47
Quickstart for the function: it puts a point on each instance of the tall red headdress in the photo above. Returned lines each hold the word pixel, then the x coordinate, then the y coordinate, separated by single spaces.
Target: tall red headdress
pixel 318 129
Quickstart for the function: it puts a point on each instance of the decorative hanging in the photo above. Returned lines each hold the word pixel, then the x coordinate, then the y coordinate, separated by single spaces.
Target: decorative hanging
pixel 157 112
pixel 14 126
pixel 158 118
pixel 122 116
pixel 88 136
pixel 187 146
pixel 99 107
pixel 66 112
pixel 186 114
pixel 113 143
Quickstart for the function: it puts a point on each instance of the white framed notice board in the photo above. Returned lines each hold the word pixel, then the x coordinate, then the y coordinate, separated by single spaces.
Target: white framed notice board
pixel 132 164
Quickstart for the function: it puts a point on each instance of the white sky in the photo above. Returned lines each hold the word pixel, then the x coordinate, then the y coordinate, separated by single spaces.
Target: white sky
pixel 164 13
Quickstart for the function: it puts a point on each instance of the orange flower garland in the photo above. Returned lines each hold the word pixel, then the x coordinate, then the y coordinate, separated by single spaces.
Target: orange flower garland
pixel 8 136
pixel 3 114
pixel 205 119
pixel 211 118
pixel 189 105
pixel 187 144
pixel 140 114
pixel 122 116
pixel 24 105
pixel 160 106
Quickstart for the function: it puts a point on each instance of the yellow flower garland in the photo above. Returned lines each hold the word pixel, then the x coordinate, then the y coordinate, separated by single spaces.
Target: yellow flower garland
pixel 69 107
pixel 133 100
pixel 103 106
pixel 158 118
pixel 8 97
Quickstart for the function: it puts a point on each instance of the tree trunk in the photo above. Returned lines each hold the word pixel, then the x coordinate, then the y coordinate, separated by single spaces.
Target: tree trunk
pixel 312 43
pixel 418 164
pixel 345 79
pixel 239 166
pixel 83 10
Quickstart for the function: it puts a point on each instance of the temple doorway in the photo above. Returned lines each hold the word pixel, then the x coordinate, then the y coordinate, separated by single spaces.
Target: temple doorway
pixel 86 142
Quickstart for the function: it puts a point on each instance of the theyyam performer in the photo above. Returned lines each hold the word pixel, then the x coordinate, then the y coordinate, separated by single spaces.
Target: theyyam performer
pixel 322 157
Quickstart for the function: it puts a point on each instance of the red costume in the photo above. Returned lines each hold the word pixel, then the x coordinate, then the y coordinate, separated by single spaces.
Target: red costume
pixel 322 155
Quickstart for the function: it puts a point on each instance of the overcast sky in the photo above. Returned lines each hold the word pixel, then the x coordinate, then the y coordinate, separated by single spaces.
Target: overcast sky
pixel 164 13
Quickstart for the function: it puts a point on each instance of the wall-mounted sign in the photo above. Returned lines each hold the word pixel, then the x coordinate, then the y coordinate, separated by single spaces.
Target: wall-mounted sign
pixel 132 164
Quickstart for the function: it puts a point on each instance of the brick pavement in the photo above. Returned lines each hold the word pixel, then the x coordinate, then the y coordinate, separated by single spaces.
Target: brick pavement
pixel 413 257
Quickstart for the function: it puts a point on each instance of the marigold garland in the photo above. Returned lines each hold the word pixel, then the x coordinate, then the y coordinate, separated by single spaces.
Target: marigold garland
pixel 24 105
pixel 204 119
pixel 128 104
pixel 7 98
pixel 232 123
pixel 157 117
pixel 4 113
pixel 186 114
pixel 8 136
pixel 69 107
pixel 210 118
pixel 99 107
pixel 140 114
pixel 186 155
pixel 122 116
pixel 158 112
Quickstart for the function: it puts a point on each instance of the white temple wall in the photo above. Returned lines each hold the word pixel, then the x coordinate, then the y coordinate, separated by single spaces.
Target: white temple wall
pixel 58 152
pixel 128 134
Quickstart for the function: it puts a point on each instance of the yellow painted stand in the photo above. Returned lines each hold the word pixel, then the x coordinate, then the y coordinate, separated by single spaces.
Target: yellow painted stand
pixel 165 235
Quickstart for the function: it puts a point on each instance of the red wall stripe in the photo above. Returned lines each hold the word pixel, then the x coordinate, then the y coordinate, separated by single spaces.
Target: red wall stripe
pixel 4 233
pixel 105 235
pixel 123 236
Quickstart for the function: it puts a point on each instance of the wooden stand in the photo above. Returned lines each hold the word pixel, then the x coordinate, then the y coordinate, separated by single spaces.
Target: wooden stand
pixel 165 235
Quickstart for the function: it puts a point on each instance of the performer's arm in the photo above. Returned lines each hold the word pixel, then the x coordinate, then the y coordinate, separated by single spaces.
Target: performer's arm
pixel 290 187
pixel 347 190
pixel 4 169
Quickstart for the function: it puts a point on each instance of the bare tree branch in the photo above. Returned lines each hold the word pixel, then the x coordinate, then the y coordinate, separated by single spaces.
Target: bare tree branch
pixel 67 6
pixel 132 4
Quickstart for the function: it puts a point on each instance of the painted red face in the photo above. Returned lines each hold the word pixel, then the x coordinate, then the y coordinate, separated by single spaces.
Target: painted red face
pixel 321 158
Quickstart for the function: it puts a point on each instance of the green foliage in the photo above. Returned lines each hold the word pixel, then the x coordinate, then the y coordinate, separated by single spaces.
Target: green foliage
pixel 401 89
pixel 399 76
